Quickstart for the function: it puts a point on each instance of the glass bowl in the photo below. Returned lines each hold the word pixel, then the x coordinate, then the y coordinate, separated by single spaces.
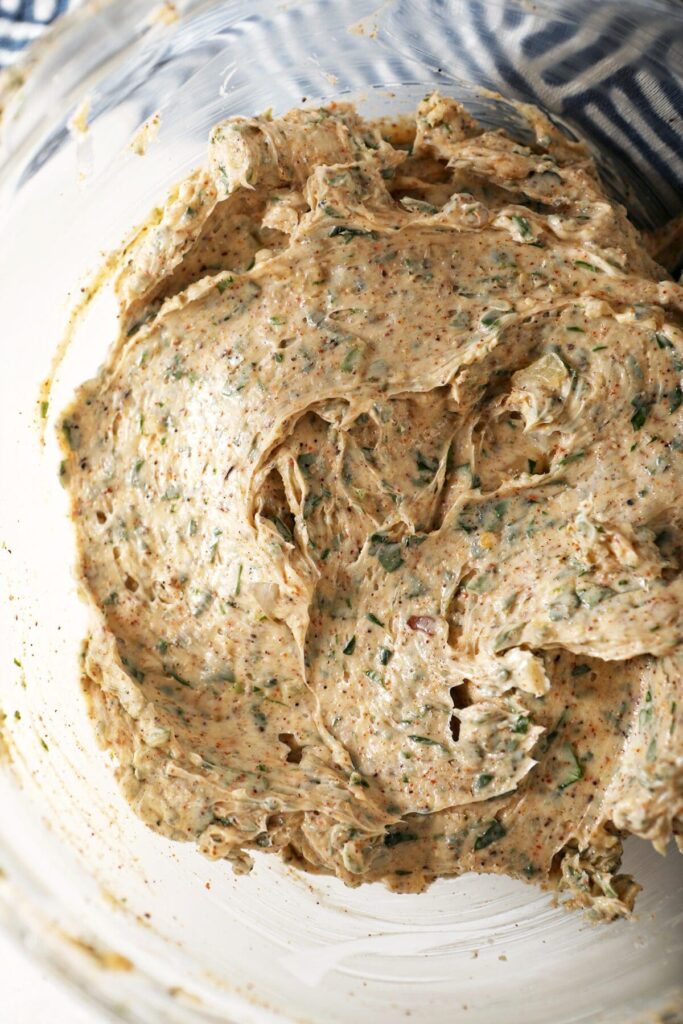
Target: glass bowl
pixel 147 928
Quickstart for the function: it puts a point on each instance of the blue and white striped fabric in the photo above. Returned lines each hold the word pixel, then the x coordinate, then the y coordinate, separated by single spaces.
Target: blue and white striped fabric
pixel 613 69
pixel 22 21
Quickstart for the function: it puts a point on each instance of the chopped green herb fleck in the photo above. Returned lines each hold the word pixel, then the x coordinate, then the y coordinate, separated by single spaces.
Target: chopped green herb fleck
pixel 647 711
pixel 587 266
pixel 641 408
pixel 283 530
pixel 523 225
pixel 563 607
pixel 492 318
pixel 310 504
pixel 554 732
pixel 425 740
pixel 349 233
pixel 224 283
pixel 574 768
pixel 675 397
pixel 390 557
pixel 572 457
pixel 351 359
pixel 425 464
pixel 350 646
pixel 304 461
pixel 594 594
pixel 508 637
pixel 69 430
pixel 259 717
pixel 495 831
pixel 394 838
pixel 174 675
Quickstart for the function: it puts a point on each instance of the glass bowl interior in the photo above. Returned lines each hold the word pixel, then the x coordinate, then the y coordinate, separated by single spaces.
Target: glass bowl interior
pixel 147 928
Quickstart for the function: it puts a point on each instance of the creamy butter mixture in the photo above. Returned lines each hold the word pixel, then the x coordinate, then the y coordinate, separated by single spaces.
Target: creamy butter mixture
pixel 379 499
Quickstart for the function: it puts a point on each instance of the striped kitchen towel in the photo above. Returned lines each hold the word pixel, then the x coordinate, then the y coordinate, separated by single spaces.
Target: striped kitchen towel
pixel 22 21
